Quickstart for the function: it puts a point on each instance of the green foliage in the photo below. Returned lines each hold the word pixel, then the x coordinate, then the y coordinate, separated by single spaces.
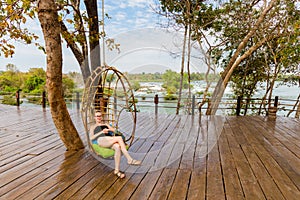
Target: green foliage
pixel 68 86
pixel 171 81
pixel 13 15
pixel 35 100
pixel 248 74
pixel 195 12
pixel 10 100
pixel 10 80
pixel 135 85
pixel 77 79
pixel 170 97
pixel 32 82
pixel 278 55
pixel 156 77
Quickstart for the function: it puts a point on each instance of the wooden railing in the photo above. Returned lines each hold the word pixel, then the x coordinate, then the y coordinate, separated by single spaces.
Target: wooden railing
pixel 227 106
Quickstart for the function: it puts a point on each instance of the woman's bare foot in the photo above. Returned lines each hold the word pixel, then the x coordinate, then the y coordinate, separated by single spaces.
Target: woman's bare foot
pixel 134 162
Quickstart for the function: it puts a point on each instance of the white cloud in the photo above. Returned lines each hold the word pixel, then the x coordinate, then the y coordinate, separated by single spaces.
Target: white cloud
pixel 123 5
pixel 149 47
pixel 138 3
pixel 126 15
pixel 120 16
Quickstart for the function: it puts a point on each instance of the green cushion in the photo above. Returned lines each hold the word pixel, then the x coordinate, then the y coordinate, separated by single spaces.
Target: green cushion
pixel 104 152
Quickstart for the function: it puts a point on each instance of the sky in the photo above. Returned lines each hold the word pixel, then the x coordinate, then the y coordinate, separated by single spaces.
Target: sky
pixel 144 45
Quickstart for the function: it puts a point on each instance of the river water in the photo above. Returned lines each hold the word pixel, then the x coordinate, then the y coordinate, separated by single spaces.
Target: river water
pixel 286 94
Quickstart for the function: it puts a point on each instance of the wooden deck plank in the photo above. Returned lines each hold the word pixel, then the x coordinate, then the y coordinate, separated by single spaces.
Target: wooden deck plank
pixel 214 183
pixel 269 188
pixel 46 181
pixel 70 177
pixel 186 148
pixel 251 187
pixel 23 168
pixel 189 154
pixel 197 188
pixel 78 184
pixel 175 150
pixel 160 159
pixel 215 189
pixel 163 185
pixel 184 157
pixel 282 134
pixel 34 177
pixel 93 182
pixel 232 184
pixel 21 157
pixel 292 126
pixel 280 178
pixel 179 189
pixel 266 182
pixel 281 150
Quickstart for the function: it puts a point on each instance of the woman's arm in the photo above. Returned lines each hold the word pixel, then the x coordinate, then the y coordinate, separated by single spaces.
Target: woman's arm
pixel 92 135
pixel 96 135
pixel 110 128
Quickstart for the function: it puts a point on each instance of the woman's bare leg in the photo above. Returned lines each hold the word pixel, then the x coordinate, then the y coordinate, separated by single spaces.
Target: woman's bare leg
pixel 110 141
pixel 117 156
pixel 120 141
pixel 107 142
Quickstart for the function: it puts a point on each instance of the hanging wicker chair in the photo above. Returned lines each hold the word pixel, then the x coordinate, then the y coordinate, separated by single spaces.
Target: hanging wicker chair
pixel 107 90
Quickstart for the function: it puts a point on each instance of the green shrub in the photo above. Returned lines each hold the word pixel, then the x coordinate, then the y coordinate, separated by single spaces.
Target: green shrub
pixel 10 100
pixel 170 97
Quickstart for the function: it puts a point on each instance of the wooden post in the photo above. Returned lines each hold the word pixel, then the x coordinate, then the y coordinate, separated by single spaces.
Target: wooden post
pixel 18 97
pixel 238 105
pixel 77 101
pixel 156 104
pixel 115 106
pixel 44 99
pixel 273 109
pixel 276 101
pixel 193 105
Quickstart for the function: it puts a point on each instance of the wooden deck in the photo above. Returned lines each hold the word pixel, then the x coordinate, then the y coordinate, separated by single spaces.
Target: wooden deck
pixel 183 158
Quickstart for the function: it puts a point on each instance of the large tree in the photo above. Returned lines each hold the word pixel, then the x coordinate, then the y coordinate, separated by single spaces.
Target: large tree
pixel 75 25
pixel 240 28
pixel 180 15
pixel 77 28
pixel 253 24
pixel 48 17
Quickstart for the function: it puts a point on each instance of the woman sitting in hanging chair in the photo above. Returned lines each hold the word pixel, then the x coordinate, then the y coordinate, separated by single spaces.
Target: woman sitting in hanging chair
pixel 101 134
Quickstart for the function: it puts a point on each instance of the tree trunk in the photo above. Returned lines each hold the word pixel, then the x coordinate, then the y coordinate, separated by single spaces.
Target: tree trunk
pixel 182 70
pixel 48 18
pixel 81 56
pixel 91 7
pixel 236 60
pixel 297 114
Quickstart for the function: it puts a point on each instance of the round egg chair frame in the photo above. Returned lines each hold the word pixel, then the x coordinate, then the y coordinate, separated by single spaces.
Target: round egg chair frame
pixel 108 90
